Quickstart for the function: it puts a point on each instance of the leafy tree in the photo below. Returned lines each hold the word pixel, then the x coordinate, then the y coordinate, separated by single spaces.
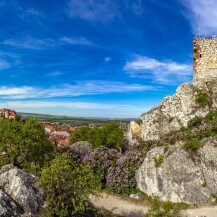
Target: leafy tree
pixel 110 135
pixel 66 185
pixel 24 144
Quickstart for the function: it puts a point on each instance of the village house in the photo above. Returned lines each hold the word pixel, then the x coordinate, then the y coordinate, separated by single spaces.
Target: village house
pixel 8 114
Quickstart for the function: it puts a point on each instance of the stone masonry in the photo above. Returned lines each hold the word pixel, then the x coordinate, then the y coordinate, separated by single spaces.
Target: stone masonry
pixel 205 59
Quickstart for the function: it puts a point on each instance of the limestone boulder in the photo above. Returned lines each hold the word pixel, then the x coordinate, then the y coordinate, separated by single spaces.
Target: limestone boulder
pixel 134 133
pixel 181 176
pixel 82 147
pixel 19 185
pixel 8 206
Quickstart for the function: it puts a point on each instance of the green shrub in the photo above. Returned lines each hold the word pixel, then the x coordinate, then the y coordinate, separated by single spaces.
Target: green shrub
pixel 110 135
pixel 202 99
pixel 66 186
pixel 204 185
pixel 164 209
pixel 25 144
pixel 212 116
pixel 195 122
pixel 193 144
pixel 158 160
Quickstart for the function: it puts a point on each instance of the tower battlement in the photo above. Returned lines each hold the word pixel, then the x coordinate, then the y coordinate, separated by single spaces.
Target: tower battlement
pixel 205 59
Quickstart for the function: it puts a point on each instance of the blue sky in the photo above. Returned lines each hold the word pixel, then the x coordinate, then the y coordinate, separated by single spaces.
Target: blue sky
pixel 97 58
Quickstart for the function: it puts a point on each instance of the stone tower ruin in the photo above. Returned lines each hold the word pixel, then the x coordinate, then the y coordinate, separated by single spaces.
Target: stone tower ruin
pixel 205 59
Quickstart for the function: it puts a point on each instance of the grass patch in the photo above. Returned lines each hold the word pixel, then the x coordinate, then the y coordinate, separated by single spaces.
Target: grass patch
pixel 158 160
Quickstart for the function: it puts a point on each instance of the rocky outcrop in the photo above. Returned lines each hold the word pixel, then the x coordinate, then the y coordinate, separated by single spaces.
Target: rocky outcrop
pixel 174 112
pixel 17 192
pixel 7 206
pixel 134 133
pixel 82 147
pixel 181 176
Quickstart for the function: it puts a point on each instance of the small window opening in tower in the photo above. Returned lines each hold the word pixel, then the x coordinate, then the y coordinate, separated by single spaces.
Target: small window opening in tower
pixel 200 55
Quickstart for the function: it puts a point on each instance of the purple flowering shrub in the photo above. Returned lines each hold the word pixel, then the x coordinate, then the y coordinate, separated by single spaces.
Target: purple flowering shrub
pixel 121 176
pixel 101 159
pixel 115 170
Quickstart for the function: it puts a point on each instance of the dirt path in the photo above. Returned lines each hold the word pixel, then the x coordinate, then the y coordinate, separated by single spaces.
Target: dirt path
pixel 130 209
pixel 119 206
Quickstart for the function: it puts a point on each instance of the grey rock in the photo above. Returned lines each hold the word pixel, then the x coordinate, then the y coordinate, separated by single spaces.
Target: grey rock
pixel 137 196
pixel 19 186
pixel 83 147
pixel 174 112
pixel 182 177
pixel 8 207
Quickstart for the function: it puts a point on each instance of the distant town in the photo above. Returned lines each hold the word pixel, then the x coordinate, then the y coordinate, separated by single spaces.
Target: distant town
pixel 59 128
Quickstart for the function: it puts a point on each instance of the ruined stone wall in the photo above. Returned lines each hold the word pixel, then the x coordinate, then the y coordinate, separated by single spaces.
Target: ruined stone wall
pixel 205 59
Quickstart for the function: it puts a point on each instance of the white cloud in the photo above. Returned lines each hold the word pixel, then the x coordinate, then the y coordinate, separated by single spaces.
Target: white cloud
pixel 92 10
pixel 29 43
pixel 38 44
pixel 103 10
pixel 55 73
pixel 75 105
pixel 78 89
pixel 4 64
pixel 75 41
pixel 76 108
pixel 107 59
pixel 168 72
pixel 203 11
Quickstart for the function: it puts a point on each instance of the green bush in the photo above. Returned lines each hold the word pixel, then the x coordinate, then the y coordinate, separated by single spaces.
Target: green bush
pixel 158 160
pixel 24 144
pixel 204 185
pixel 66 186
pixel 164 209
pixel 193 144
pixel 195 122
pixel 202 99
pixel 110 135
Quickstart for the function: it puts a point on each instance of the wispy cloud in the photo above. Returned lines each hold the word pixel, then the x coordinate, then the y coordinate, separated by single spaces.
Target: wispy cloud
pixel 75 41
pixel 78 89
pixel 165 72
pixel 93 10
pixel 38 44
pixel 78 105
pixel 55 73
pixel 103 10
pixel 203 12
pixel 4 64
pixel 107 59
pixel 30 43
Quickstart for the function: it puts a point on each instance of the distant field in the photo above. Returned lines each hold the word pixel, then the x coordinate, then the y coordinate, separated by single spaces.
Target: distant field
pixel 72 120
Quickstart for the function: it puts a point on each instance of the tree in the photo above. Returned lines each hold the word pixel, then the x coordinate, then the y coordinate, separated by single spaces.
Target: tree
pixel 110 135
pixel 67 186
pixel 24 144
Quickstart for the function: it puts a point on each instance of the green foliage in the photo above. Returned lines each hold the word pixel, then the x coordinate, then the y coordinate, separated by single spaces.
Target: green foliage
pixel 164 209
pixel 67 186
pixel 193 144
pixel 195 122
pixel 204 185
pixel 212 116
pixel 202 99
pixel 158 160
pixel 110 135
pixel 24 144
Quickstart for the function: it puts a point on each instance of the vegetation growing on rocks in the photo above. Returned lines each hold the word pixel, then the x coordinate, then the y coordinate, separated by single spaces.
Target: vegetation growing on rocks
pixel 202 99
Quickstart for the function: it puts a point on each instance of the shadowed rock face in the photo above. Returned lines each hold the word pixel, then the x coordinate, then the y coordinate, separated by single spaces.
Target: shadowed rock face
pixel 174 112
pixel 17 192
pixel 181 177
